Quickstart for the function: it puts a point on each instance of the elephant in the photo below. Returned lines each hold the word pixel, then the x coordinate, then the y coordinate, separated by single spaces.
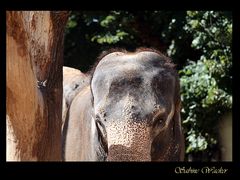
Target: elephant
pixel 73 82
pixel 129 110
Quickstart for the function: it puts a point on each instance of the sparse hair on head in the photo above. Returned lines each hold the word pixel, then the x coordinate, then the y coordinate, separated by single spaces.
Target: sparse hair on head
pixel 168 62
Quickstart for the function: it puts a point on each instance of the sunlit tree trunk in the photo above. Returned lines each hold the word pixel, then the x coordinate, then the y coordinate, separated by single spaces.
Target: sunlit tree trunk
pixel 34 84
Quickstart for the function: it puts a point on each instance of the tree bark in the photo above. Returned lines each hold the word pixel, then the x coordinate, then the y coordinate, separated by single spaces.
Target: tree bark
pixel 34 84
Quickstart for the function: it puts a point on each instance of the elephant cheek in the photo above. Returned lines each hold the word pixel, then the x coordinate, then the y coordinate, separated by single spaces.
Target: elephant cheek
pixel 128 141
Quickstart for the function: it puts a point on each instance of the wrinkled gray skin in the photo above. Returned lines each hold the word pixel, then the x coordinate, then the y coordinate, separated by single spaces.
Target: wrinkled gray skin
pixel 130 111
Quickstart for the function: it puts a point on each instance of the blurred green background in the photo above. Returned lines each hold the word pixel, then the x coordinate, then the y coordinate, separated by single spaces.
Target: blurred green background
pixel 200 44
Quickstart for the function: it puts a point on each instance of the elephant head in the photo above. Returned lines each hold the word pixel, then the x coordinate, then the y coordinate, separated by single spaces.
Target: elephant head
pixel 136 106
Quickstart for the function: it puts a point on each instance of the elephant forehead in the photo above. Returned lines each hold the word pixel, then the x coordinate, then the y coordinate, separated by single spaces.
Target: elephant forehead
pixel 131 62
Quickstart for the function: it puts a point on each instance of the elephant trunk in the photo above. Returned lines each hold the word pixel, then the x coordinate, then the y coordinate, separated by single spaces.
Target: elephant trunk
pixel 128 141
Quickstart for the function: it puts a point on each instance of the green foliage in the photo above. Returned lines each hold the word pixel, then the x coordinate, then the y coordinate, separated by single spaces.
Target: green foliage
pixel 206 84
pixel 110 36
pixel 199 42
pixel 71 22
pixel 100 30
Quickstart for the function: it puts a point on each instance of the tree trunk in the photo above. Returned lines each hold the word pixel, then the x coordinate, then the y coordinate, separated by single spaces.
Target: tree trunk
pixel 34 84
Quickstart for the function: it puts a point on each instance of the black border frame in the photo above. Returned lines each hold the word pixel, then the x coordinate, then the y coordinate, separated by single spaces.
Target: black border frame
pixel 112 169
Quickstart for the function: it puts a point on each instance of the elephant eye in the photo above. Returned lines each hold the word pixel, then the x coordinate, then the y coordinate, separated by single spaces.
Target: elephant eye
pixel 159 122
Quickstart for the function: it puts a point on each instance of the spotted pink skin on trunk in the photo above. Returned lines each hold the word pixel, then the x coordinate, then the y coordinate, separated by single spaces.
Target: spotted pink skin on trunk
pixel 128 138
pixel 128 141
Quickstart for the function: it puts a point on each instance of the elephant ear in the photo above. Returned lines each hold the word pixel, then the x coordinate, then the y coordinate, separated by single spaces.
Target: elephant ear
pixel 178 144
pixel 178 136
pixel 169 145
